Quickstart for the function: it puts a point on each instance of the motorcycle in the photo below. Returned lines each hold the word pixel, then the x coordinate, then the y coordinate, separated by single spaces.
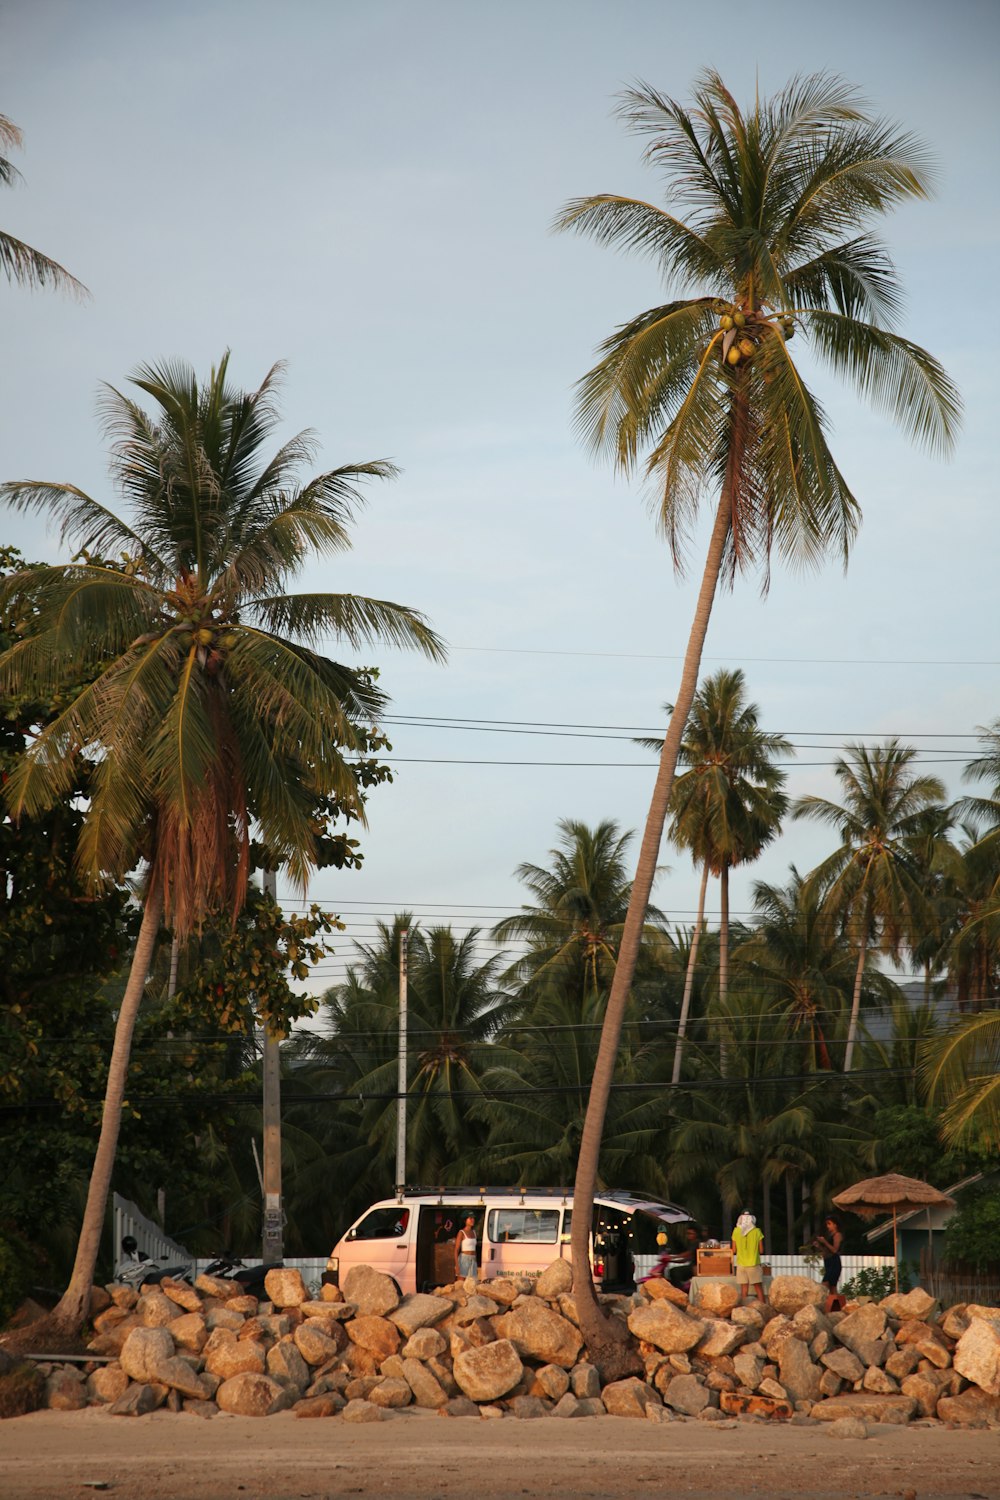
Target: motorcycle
pixel 251 1278
pixel 134 1269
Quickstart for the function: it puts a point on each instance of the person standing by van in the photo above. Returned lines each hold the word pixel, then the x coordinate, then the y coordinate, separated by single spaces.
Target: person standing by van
pixel 747 1240
pixel 465 1249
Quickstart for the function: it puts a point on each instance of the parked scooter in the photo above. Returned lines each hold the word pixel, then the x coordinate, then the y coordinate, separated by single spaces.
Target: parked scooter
pixel 250 1278
pixel 135 1268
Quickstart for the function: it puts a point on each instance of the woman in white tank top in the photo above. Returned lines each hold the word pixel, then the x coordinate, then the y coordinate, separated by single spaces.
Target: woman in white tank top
pixel 465 1249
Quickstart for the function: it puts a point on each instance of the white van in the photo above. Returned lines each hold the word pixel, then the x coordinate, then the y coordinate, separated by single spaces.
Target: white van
pixel 518 1232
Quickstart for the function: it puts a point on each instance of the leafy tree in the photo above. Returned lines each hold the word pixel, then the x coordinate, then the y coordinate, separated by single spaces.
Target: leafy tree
pixel 972 1234
pixel 875 880
pixel 961 1072
pixel 776 242
pixel 20 263
pixel 213 708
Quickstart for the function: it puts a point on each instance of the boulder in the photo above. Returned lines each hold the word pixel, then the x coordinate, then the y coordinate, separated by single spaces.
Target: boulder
pixel 876 1379
pixel 107 1383
pixel 585 1381
pixel 391 1393
pixel 526 1407
pixel 847 1427
pixel 666 1327
pixel 722 1338
pixel 461 1406
pixel 326 1405
pixel 752 1317
pixel 809 1324
pixel 798 1374
pixel 490 1372
pixel 237 1357
pixel 955 1321
pixel 373 1292
pixel 749 1369
pixel 977 1353
pixel 65 1390
pixel 189 1332
pixel 427 1389
pixel 736 1404
pixel 375 1334
pixel 285 1287
pixel 904 1305
pixel 716 1297
pixel 285 1364
pixel 419 1311
pixel 859 1329
pixel 505 1289
pixel 223 1317
pixel 425 1343
pixel 315 1346
pixel 686 1394
pixel 845 1364
pixel 972 1408
pixel 156 1311
pixel 902 1362
pixel 144 1351
pixel 251 1395
pixel 661 1290
pixel 181 1292
pixel 830 1384
pixel 568 1406
pixel 551 1381
pixel 139 1399
pixel 363 1411
pixel 474 1307
pixel 216 1286
pixel 539 1333
pixel 865 1406
pixel 773 1389
pixel 629 1398
pixel 556 1278
pixel 787 1294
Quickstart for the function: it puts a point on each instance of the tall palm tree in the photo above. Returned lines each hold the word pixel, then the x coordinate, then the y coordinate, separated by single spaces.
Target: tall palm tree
pixel 779 200
pixel 727 807
pixel 211 709
pixel 960 1069
pixel 875 880
pixel 19 262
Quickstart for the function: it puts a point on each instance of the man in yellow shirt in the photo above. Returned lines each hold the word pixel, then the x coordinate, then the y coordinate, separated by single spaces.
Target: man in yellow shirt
pixel 747 1240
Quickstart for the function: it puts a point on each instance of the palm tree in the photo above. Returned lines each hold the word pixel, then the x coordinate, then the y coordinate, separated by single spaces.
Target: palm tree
pixel 210 708
pixel 961 1070
pixel 875 881
pixel 20 263
pixel 779 200
pixel 727 807
pixel 574 927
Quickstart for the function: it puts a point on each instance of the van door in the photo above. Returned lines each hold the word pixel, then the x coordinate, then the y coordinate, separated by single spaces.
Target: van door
pixel 382 1240
pixel 520 1240
pixel 437 1231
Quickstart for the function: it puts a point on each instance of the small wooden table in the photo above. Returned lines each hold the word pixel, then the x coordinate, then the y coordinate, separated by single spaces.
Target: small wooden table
pixel 715 1262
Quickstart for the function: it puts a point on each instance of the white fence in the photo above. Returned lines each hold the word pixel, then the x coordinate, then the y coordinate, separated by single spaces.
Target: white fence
pixel 312 1267
pixel 793 1265
pixel 152 1242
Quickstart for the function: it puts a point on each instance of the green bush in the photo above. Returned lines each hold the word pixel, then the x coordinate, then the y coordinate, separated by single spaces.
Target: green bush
pixel 22 1389
pixel 877 1282
pixel 15 1274
pixel 973 1233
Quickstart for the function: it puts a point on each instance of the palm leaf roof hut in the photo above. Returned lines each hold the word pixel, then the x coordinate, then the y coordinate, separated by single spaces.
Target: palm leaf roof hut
pixel 876 1195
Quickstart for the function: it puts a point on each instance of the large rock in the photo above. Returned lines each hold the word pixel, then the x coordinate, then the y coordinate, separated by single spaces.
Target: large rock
pixel 809 1324
pixel 217 1286
pixel 859 1329
pixel 372 1291
pixel 237 1357
pixel 721 1338
pixel 427 1389
pixel 977 1353
pixel 539 1333
pixel 182 1293
pixel 955 1321
pixel 904 1305
pixel 878 1381
pixel 556 1278
pixel 585 1381
pixel 787 1294
pixel 65 1390
pixel 156 1311
pixel 716 1297
pixel 666 1327
pixel 893 1409
pixel 972 1407
pixel 902 1362
pixel 144 1351
pixel 189 1332
pixel 285 1287
pixel 107 1383
pixel 315 1346
pixel 488 1373
pixel 375 1334
pixel 686 1394
pixel 250 1395
pixel 799 1376
pixel 551 1381
pixel 426 1343
pixel 749 1369
pixel 363 1411
pixel 285 1364
pixel 420 1311
pixel 139 1399
pixel 391 1393
pixel 843 1363
pixel 661 1290
pixel 474 1307
pixel 629 1398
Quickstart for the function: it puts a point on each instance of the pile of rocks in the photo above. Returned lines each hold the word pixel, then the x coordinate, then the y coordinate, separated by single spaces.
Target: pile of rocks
pixel 513 1348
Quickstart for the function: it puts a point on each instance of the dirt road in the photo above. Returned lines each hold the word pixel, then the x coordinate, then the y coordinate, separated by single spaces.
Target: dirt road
pixel 418 1456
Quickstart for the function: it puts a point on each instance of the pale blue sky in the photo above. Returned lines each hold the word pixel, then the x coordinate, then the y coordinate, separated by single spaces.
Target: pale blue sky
pixel 365 191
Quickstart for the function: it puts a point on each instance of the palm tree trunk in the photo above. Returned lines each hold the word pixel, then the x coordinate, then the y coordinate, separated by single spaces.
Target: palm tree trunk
pixel 789 1214
pixel 74 1305
pixel 175 953
pixel 766 1191
pixel 852 1029
pixel 597 1330
pixel 689 977
pixel 724 931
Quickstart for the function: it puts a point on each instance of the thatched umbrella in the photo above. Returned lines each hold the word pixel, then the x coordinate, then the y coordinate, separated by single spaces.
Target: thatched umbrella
pixel 876 1195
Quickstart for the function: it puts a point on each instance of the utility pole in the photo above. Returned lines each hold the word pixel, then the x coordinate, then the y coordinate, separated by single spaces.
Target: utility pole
pixel 404 938
pixel 272 1248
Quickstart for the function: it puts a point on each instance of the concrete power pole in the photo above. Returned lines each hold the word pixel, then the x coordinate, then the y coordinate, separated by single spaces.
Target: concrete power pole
pixel 404 937
pixel 272 1247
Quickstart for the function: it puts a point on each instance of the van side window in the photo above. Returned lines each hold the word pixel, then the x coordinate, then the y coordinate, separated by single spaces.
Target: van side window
pixel 533 1225
pixel 383 1224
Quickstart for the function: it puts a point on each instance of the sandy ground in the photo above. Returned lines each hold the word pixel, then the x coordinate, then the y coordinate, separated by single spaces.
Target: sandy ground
pixel 416 1456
